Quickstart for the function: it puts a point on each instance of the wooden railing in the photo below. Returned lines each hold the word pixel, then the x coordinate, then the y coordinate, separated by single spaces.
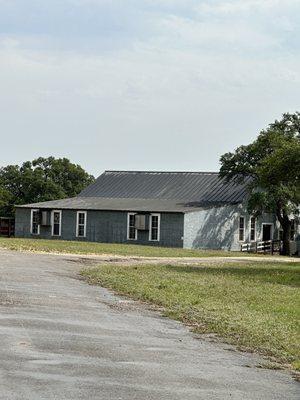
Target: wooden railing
pixel 267 246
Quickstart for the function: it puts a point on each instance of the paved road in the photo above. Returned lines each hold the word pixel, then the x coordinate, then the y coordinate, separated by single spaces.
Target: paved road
pixel 63 339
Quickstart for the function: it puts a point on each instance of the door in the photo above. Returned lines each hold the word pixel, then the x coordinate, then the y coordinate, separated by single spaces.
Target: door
pixel 267 232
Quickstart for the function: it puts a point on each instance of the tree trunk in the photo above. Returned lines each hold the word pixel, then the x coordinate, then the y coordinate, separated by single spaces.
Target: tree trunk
pixel 286 228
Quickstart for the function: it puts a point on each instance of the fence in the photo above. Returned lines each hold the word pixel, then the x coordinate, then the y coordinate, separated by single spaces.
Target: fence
pixel 268 246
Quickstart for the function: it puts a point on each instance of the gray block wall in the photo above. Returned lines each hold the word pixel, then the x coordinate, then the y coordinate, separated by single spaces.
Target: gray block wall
pixel 106 227
pixel 218 227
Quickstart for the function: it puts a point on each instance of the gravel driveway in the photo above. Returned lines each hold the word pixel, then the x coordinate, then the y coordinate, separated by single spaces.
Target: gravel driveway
pixel 63 339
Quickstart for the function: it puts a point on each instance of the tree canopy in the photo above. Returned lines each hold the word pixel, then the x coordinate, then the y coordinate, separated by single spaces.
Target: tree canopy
pixel 40 180
pixel 270 166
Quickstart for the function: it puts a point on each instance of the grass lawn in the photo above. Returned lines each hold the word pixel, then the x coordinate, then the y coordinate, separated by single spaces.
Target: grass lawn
pixel 255 306
pixel 63 246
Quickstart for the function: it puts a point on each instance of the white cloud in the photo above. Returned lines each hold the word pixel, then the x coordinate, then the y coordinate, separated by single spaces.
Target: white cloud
pixel 179 91
pixel 242 6
pixel 208 34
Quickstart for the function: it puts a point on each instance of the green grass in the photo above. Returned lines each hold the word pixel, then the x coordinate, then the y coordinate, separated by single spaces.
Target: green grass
pixel 255 306
pixel 63 246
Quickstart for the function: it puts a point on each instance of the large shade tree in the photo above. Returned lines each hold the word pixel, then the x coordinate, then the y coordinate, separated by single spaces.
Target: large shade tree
pixel 270 167
pixel 40 180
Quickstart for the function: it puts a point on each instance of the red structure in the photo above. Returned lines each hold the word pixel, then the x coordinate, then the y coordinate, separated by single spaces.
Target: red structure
pixel 7 226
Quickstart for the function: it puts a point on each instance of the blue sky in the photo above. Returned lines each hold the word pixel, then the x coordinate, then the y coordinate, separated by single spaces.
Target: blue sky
pixel 144 84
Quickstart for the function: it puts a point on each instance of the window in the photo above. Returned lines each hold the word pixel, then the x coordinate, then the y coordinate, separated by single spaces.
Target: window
pixel 81 224
pixel 154 230
pixel 242 229
pixel 131 230
pixel 35 222
pixel 56 223
pixel 252 229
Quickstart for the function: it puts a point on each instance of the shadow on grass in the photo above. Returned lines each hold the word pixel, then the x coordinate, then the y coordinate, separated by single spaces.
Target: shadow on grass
pixel 277 275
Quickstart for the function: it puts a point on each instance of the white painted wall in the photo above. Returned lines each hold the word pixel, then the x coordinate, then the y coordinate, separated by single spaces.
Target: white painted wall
pixel 218 227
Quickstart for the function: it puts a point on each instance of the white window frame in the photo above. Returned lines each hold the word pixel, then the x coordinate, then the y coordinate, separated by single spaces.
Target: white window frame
pixel 244 229
pixel 158 227
pixel 128 228
pixel 255 229
pixel 31 222
pixel 52 222
pixel 77 224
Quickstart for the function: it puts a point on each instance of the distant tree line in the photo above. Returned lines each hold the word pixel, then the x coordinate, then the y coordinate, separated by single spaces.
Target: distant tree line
pixel 39 180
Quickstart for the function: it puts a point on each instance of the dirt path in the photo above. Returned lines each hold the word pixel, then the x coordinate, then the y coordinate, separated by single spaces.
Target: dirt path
pixel 129 260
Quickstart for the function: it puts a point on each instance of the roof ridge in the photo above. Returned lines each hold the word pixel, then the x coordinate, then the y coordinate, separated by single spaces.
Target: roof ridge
pixel 162 172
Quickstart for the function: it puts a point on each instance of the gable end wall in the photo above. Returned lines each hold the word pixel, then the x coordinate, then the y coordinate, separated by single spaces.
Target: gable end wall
pixel 218 227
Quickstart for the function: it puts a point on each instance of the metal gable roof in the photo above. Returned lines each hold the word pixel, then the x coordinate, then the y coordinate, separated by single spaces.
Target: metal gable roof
pixel 201 187
pixel 116 204
pixel 144 191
